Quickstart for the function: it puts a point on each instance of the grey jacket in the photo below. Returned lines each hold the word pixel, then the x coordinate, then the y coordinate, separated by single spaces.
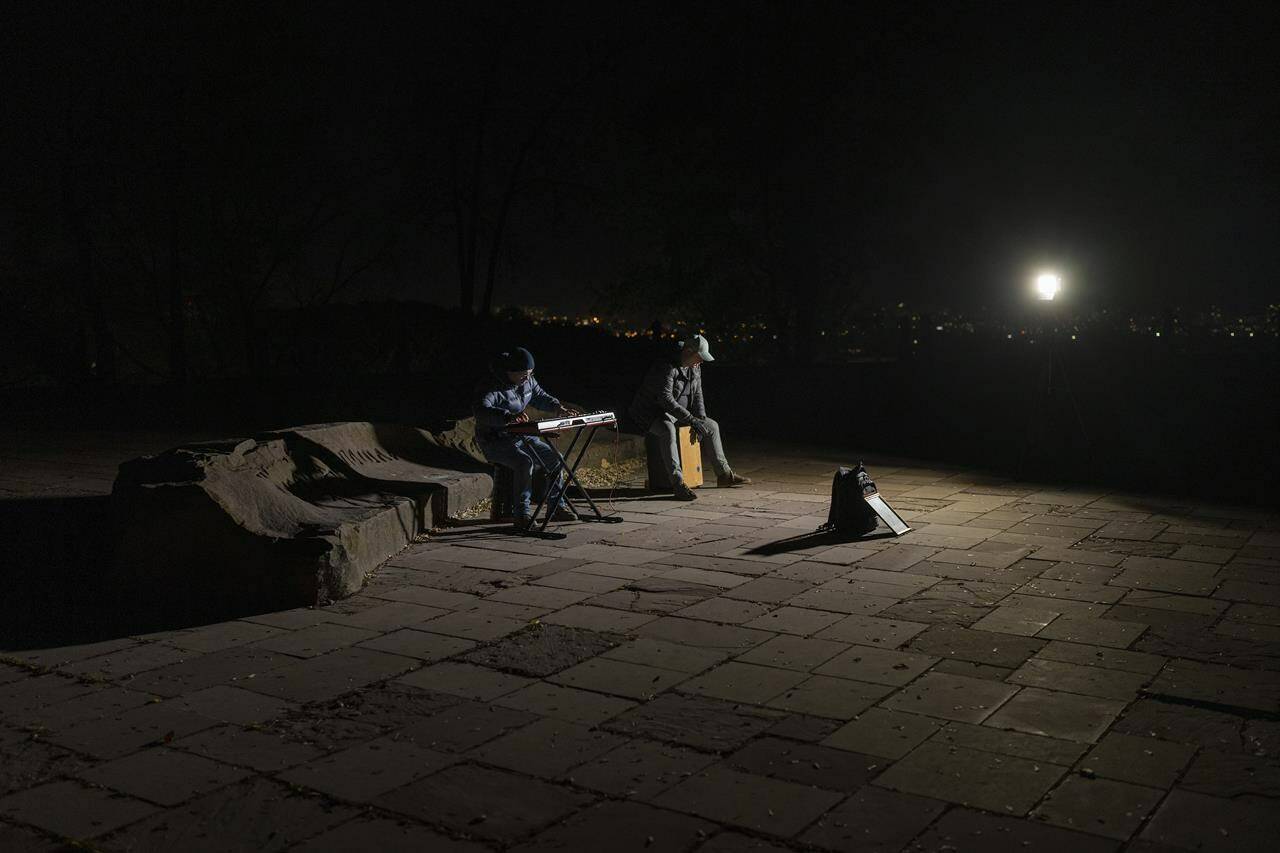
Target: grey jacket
pixel 497 399
pixel 669 389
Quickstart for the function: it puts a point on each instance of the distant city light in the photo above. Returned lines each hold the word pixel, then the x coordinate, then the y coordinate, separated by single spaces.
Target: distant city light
pixel 1047 285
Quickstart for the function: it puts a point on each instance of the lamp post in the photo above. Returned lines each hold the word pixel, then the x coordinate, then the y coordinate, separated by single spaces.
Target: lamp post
pixel 1046 287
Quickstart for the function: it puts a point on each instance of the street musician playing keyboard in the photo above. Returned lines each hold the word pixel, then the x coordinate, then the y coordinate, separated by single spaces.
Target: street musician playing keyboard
pixel 502 401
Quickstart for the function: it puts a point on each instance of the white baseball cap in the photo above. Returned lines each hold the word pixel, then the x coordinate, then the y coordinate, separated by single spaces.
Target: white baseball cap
pixel 699 343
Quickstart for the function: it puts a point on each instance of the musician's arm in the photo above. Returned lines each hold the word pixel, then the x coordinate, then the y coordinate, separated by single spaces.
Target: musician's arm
pixel 488 413
pixel 669 404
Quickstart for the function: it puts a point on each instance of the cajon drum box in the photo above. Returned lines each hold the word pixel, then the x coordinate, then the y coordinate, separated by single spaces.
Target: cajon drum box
pixel 690 457
pixel 690 460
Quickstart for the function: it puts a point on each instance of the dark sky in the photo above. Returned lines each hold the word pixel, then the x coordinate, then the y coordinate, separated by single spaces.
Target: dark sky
pixel 937 153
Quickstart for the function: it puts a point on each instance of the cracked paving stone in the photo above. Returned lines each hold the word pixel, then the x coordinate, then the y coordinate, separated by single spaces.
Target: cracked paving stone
pixel 27 761
pixel 1004 742
pixel 247 748
pixel 1054 714
pixel 1071 678
pixel 387 706
pixel 707 724
pixel 542 650
pixel 253 815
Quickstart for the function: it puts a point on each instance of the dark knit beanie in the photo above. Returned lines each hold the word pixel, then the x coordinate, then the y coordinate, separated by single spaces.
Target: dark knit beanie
pixel 516 360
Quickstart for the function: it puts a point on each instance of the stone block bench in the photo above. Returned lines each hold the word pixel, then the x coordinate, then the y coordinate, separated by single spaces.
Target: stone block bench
pixel 286 518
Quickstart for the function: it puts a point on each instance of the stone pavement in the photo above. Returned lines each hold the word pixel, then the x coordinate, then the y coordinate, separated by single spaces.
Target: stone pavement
pixel 1034 667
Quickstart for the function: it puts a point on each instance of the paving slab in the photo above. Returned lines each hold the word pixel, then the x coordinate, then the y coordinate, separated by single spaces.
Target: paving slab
pixel 565 703
pixel 951 697
pixel 996 783
pixel 1052 713
pixel 546 748
pixel 805 763
pixel 484 802
pixel 1074 678
pixel 628 827
pixel 73 809
pixel 639 769
pixel 542 650
pixel 829 697
pixel 1139 760
pixel 256 814
pixel 878 666
pixel 963 830
pixel 703 723
pixel 163 776
pixel 873 819
pixel 883 733
pixel 464 727
pixel 757 803
pixel 958 643
pixel 386 836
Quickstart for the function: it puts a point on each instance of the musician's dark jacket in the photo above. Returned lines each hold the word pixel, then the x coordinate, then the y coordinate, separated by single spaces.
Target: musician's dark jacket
pixel 498 398
pixel 669 389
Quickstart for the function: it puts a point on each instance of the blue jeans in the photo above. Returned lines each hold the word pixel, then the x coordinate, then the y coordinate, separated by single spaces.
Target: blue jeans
pixel 519 454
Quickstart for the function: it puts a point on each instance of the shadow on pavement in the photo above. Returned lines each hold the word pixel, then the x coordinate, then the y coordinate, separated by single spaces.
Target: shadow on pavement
pixel 60 584
pixel 815 539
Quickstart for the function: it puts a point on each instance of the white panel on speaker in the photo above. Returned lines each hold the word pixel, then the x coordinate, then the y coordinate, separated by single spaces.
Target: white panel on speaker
pixel 891 518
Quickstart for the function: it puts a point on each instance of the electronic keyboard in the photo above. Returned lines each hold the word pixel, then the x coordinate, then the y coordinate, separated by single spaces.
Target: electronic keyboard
pixel 592 419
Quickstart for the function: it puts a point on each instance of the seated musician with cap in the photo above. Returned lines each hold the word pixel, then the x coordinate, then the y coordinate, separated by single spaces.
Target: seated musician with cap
pixel 671 397
pixel 501 401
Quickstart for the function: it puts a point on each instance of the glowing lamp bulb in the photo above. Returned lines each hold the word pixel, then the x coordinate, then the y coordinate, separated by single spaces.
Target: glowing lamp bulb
pixel 1048 285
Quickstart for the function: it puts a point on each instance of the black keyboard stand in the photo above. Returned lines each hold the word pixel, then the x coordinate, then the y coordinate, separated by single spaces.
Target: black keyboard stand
pixel 560 489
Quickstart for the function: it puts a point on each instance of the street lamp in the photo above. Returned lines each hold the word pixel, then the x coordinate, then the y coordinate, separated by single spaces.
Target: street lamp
pixel 1047 286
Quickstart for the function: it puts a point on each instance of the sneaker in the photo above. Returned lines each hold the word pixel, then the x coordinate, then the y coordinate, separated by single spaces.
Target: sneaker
pixel 564 514
pixel 681 492
pixel 521 524
pixel 730 480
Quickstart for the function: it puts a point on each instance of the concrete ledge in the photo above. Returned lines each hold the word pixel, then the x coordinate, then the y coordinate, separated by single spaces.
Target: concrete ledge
pixel 287 518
